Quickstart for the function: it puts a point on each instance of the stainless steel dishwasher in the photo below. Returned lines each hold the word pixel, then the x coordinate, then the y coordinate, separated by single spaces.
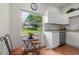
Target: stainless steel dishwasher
pixel 62 36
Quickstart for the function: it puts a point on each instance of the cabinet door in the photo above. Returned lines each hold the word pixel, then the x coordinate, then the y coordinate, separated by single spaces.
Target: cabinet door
pixel 49 37
pixel 52 39
pixel 55 39
pixel 62 38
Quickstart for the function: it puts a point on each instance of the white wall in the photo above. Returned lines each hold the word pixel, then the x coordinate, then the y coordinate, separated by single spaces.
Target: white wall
pixel 72 38
pixel 4 19
pixel 15 20
pixel 4 25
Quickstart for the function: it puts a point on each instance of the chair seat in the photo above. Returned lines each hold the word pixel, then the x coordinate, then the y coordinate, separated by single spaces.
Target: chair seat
pixel 35 41
pixel 18 51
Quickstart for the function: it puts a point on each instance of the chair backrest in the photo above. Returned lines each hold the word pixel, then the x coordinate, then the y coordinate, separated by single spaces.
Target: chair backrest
pixel 3 48
pixel 4 40
pixel 7 42
pixel 7 36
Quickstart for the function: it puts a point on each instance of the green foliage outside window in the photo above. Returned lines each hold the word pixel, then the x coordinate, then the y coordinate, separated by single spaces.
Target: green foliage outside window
pixel 32 24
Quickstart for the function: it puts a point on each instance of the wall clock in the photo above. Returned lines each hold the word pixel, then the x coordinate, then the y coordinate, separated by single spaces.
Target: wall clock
pixel 34 6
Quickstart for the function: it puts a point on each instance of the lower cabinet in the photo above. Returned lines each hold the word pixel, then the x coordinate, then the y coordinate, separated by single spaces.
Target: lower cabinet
pixel 52 39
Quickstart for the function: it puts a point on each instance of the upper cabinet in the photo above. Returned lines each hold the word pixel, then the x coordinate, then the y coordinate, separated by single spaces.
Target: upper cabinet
pixel 55 17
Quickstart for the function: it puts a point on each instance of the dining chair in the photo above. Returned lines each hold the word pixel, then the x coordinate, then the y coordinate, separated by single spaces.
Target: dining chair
pixel 16 51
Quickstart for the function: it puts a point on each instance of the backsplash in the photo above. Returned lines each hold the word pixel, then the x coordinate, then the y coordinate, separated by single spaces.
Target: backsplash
pixel 54 27
pixel 50 27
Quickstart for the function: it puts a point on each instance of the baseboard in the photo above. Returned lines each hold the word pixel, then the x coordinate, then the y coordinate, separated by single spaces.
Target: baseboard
pixel 61 45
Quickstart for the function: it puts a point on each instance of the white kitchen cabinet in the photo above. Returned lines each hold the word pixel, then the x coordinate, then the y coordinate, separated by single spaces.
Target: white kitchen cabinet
pixel 55 17
pixel 52 39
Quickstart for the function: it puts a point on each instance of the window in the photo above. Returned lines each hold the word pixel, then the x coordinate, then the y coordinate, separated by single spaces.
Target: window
pixel 31 22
